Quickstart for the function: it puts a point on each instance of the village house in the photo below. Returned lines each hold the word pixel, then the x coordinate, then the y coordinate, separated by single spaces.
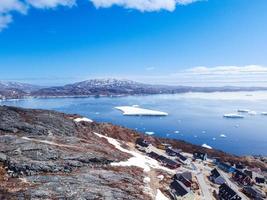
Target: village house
pixel 242 178
pixel 185 178
pixel 168 162
pixel 226 167
pixel 180 191
pixel 172 152
pixel 254 193
pixel 239 166
pixel 200 155
pixel 182 159
pixel 153 155
pixel 141 144
pixel 216 177
pixel 260 180
pixel 226 193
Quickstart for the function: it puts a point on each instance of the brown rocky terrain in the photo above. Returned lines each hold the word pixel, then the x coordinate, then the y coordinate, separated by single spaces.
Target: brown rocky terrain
pixel 47 155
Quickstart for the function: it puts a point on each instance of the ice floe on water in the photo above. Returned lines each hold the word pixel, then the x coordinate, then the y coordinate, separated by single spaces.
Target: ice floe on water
pixel 83 119
pixel 263 113
pixel 206 146
pixel 222 136
pixel 149 132
pixel 214 138
pixel 177 132
pixel 252 112
pixel 243 110
pixel 135 111
pixel 233 116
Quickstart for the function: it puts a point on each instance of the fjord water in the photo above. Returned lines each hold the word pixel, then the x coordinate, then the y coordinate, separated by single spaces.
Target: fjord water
pixel 193 117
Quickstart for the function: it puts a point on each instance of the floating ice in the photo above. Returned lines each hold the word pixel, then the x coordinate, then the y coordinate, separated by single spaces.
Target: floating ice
pixel 243 110
pixel 130 110
pixel 223 136
pixel 233 115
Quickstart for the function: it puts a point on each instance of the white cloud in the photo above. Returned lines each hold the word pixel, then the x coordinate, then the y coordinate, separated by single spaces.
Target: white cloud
pixel 51 3
pixel 143 5
pixel 250 75
pixel 7 7
pixel 4 21
pixel 226 70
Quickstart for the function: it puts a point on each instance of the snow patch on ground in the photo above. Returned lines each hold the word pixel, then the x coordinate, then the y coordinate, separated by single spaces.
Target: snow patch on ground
pixel 149 132
pixel 160 196
pixel 138 159
pixel 132 110
pixel 146 180
pixel 206 146
pixel 83 119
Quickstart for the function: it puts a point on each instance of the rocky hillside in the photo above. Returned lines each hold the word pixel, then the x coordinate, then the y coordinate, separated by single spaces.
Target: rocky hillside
pixel 50 155
pixel 47 155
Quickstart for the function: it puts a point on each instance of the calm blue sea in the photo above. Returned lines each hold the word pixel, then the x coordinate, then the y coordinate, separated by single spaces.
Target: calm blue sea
pixel 197 116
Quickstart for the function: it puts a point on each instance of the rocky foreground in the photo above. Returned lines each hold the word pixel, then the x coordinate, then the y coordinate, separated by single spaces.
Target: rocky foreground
pixel 50 155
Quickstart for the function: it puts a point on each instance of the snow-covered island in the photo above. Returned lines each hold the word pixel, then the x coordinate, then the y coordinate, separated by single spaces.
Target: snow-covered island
pixel 233 115
pixel 134 110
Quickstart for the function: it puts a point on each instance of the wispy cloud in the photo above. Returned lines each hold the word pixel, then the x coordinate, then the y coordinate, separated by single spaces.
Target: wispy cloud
pixel 7 7
pixel 250 75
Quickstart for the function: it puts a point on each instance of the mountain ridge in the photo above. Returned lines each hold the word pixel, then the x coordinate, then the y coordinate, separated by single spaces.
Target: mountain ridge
pixel 105 87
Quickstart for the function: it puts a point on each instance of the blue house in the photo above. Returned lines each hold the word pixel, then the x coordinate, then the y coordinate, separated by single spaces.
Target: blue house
pixel 226 167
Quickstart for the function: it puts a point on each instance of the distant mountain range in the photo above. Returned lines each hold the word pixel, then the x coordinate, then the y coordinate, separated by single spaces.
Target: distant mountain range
pixel 105 87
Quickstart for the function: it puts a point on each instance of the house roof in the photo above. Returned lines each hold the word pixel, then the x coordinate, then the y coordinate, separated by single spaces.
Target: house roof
pixel 184 180
pixel 260 179
pixel 187 175
pixel 225 190
pixel 167 160
pixel 142 142
pixel 199 154
pixel 249 173
pixel 253 192
pixel 183 158
pixel 179 187
pixel 215 173
pixel 173 150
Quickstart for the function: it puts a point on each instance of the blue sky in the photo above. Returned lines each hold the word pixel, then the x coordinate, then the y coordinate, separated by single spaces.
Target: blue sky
pixel 156 42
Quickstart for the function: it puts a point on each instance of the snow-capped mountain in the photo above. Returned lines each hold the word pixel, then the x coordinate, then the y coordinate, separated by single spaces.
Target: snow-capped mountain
pixel 16 90
pixel 25 87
